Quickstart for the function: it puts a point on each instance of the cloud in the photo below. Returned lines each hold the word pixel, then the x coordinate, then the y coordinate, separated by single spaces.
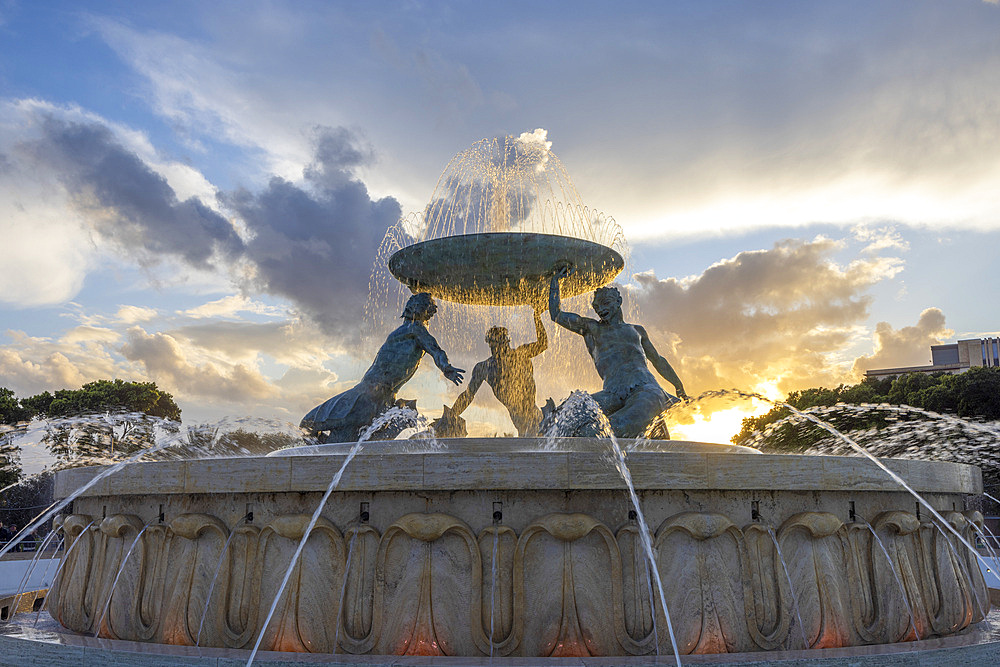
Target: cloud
pixel 762 316
pixel 30 365
pixel 90 334
pixel 294 343
pixel 165 362
pixel 880 238
pixel 212 368
pixel 134 314
pixel 46 250
pixel 909 346
pixel 314 244
pixel 230 306
pixel 124 200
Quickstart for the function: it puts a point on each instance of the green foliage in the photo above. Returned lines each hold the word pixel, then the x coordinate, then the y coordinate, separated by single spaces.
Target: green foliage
pixel 108 396
pixel 11 410
pixel 37 405
pixel 978 393
pixel 103 419
pixel 975 394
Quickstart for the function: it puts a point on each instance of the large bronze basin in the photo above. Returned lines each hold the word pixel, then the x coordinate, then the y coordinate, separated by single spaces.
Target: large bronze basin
pixel 503 268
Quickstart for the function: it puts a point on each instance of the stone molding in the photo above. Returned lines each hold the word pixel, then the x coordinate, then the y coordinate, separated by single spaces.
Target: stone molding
pixel 472 467
pixel 566 585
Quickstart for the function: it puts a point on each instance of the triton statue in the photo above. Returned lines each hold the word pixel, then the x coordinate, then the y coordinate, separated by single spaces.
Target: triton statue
pixel 510 374
pixel 344 415
pixel 631 397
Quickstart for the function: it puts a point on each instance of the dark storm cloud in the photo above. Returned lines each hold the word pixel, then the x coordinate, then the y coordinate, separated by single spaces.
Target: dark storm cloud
pixel 125 200
pixel 316 246
pixel 312 244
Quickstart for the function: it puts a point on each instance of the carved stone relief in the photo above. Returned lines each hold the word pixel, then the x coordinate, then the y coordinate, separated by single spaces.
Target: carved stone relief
pixel 565 586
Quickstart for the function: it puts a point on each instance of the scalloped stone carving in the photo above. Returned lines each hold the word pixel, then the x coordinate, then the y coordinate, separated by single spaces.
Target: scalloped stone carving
pixel 565 586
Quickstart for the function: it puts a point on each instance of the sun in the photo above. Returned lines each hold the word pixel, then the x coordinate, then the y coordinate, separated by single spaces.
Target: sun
pixel 719 426
pixel 705 424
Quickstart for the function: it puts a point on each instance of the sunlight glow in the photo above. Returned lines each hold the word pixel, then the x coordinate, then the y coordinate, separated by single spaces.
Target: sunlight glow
pixel 720 425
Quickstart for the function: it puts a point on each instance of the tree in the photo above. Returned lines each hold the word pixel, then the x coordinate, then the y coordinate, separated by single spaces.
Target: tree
pixel 978 393
pixel 11 412
pixel 113 396
pixel 975 393
pixel 103 419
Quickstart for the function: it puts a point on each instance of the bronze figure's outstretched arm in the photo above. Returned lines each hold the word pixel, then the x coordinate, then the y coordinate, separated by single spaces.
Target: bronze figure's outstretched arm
pixel 431 347
pixel 661 365
pixel 475 382
pixel 571 321
pixel 541 338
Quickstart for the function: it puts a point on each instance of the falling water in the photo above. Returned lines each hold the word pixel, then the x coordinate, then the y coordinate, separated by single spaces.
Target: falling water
pixel 504 184
pixel 211 587
pixel 63 561
pixel 896 478
pixel 647 544
pixel 652 606
pixel 850 442
pixel 27 530
pixel 986 542
pixel 379 422
pixel 993 553
pixel 895 575
pixel 493 586
pixel 107 605
pixel 170 441
pixel 583 404
pixel 578 413
pixel 791 587
pixel 995 543
pixel 31 567
pixel 45 572
pixel 909 433
pixel 951 547
pixel 343 591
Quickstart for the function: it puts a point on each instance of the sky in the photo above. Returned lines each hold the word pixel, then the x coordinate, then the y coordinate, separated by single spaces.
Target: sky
pixel 195 193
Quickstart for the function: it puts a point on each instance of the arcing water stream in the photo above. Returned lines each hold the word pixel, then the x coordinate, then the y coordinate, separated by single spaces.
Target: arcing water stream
pixel 393 414
pixel 857 448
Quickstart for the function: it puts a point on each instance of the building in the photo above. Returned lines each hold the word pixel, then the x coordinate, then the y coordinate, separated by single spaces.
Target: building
pixel 951 358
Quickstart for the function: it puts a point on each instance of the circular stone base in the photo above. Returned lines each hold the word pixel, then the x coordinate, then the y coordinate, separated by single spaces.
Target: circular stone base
pixel 546 532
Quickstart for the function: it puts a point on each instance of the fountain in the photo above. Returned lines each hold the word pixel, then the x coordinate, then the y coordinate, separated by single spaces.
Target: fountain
pixel 500 547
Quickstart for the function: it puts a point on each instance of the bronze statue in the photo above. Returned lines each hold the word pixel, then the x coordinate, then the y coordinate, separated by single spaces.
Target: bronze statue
pixel 344 415
pixel 510 375
pixel 631 397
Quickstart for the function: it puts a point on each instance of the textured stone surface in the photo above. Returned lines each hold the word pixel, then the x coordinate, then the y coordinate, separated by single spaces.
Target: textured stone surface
pixel 569 577
pixel 569 468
